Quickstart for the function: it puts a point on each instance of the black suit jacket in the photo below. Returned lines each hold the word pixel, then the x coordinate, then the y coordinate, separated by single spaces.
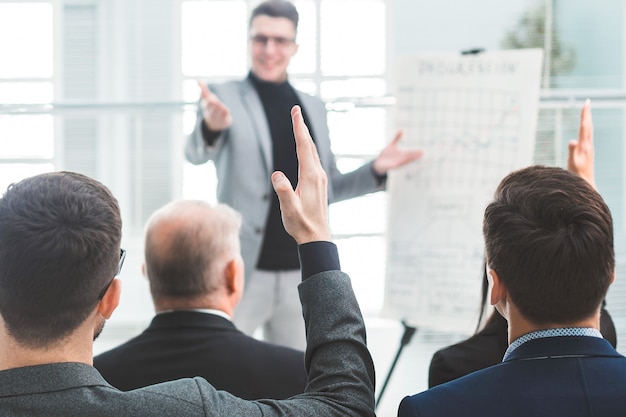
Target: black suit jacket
pixel 187 343
pixel 486 348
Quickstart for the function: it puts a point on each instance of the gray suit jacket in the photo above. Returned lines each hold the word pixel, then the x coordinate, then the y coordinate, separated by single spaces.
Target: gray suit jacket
pixel 340 375
pixel 243 161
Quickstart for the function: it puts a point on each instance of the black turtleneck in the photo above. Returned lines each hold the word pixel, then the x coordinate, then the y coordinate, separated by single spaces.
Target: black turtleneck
pixel 279 251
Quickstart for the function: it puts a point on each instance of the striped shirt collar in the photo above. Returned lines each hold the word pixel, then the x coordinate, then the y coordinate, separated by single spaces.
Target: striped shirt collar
pixel 539 334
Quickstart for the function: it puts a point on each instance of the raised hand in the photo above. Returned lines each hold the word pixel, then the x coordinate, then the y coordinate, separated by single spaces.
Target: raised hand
pixel 393 157
pixel 580 152
pixel 216 115
pixel 305 210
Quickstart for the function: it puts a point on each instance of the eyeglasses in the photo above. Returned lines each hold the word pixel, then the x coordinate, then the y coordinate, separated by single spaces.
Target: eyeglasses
pixel 280 41
pixel 119 269
pixel 121 263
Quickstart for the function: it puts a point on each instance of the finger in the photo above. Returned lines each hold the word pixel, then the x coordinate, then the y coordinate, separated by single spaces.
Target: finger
pixel 416 154
pixel 305 148
pixel 397 136
pixel 205 93
pixel 585 132
pixel 284 191
pixel 216 107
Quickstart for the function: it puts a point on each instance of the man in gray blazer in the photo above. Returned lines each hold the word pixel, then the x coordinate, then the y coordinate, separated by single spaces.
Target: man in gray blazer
pixel 244 128
pixel 60 239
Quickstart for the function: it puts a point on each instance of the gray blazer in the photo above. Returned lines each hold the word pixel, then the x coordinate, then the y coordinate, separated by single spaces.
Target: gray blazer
pixel 339 366
pixel 243 161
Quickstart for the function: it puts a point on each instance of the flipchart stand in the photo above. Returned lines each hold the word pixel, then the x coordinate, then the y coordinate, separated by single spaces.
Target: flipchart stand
pixel 406 338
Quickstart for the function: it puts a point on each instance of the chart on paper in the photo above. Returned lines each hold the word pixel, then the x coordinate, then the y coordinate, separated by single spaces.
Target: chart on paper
pixel 475 118
pixel 467 131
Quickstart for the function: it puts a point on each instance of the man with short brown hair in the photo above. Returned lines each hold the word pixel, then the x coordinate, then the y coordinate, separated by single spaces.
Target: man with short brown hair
pixel 59 254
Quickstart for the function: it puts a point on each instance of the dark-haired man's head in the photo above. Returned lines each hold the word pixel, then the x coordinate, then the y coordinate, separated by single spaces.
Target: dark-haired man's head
pixel 272 29
pixel 549 240
pixel 276 8
pixel 59 251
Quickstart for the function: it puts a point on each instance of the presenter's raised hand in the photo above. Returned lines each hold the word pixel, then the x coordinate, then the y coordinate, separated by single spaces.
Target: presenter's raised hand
pixel 216 115
pixel 305 210
pixel 580 152
pixel 393 157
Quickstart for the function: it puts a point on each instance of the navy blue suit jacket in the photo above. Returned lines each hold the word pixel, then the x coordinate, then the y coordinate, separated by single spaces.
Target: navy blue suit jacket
pixel 486 348
pixel 183 344
pixel 559 376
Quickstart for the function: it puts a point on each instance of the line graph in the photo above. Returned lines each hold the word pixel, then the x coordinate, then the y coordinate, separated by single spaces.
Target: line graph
pixel 470 130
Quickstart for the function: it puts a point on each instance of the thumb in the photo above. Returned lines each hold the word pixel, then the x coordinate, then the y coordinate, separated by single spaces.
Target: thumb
pixel 571 149
pixel 572 144
pixel 398 136
pixel 283 187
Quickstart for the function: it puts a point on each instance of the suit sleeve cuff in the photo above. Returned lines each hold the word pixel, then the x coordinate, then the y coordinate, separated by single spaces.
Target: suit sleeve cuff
pixel 316 257
pixel 380 179
pixel 209 136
